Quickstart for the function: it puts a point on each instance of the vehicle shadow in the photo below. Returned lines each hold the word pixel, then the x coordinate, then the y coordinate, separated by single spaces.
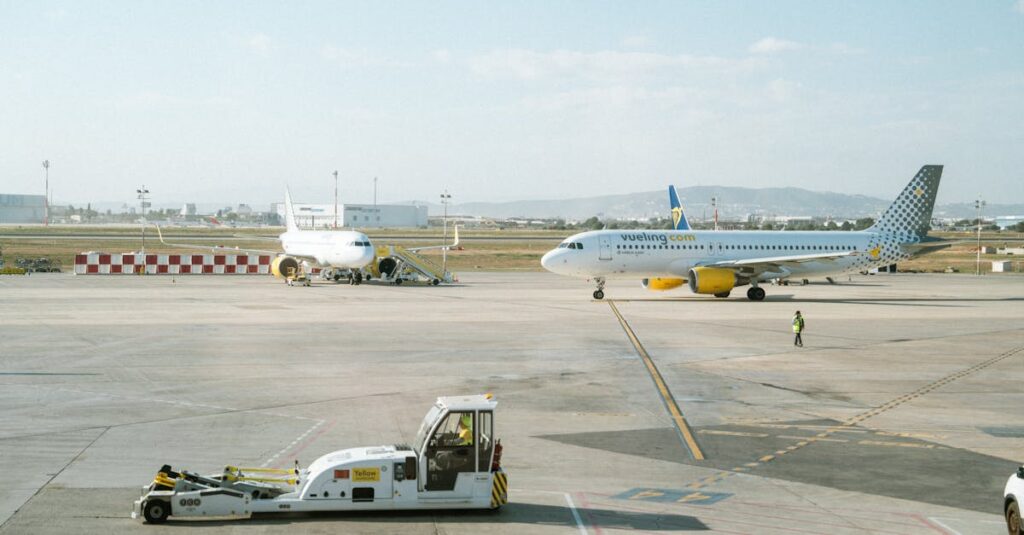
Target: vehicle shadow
pixel 527 514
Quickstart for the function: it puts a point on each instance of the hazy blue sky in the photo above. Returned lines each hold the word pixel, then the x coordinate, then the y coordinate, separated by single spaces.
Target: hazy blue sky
pixel 230 101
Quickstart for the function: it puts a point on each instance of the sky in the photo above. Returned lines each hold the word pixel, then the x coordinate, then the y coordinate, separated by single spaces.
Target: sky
pixel 219 101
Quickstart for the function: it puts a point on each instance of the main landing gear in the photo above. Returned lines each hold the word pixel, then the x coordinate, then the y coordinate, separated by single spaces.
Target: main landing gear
pixel 755 293
pixel 599 292
pixel 355 278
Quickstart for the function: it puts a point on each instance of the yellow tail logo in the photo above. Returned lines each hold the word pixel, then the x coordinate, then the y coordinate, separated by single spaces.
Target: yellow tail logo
pixel 876 251
pixel 677 214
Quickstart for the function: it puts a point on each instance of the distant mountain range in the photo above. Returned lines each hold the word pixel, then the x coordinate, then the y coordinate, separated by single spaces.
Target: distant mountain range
pixel 733 203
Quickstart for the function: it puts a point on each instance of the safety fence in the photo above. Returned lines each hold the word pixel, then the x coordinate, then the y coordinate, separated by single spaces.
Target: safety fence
pixel 171 264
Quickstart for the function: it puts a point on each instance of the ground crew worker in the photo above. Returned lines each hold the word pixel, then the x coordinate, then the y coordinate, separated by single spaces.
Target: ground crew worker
pixel 798 327
pixel 466 429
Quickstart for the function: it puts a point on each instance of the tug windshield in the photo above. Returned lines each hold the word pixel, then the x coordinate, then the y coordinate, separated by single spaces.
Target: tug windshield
pixel 428 421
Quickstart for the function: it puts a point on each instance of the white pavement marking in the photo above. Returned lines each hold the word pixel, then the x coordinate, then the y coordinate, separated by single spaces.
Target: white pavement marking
pixel 943 525
pixel 295 442
pixel 575 514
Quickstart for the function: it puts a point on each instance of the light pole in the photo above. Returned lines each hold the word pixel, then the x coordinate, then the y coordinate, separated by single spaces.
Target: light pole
pixel 714 205
pixel 375 213
pixel 142 192
pixel 445 199
pixel 978 205
pixel 46 194
pixel 335 199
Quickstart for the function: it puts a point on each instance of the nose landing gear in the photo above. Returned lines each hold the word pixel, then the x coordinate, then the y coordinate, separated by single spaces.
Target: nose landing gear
pixel 599 293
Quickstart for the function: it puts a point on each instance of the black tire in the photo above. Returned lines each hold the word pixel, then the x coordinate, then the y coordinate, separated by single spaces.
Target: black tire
pixel 1013 524
pixel 435 282
pixel 755 294
pixel 156 511
pixel 598 294
pixel 722 295
pixel 398 282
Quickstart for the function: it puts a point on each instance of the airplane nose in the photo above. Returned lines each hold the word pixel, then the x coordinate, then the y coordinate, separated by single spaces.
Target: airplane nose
pixel 548 260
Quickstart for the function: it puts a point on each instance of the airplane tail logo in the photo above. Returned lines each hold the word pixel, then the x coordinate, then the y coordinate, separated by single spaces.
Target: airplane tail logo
pixel 679 221
pixel 910 215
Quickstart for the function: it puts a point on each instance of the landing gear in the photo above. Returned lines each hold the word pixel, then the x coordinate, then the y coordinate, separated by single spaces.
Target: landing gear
pixel 755 293
pixel 358 277
pixel 599 293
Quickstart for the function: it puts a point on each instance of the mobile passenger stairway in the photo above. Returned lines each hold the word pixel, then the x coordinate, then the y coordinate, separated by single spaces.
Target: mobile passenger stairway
pixel 397 264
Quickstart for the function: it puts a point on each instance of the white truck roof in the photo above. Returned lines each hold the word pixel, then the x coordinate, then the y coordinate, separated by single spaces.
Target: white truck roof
pixel 479 402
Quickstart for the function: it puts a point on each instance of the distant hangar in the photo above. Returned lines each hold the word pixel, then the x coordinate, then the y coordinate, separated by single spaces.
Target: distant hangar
pixel 313 216
pixel 22 208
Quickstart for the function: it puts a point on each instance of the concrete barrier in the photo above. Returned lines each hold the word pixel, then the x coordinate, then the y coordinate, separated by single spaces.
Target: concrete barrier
pixel 94 263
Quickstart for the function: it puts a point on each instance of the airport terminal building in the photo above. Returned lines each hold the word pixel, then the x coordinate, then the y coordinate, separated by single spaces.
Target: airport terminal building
pixel 318 216
pixel 22 208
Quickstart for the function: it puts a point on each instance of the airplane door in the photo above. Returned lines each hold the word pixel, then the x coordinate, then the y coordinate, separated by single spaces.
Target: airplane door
pixel 605 246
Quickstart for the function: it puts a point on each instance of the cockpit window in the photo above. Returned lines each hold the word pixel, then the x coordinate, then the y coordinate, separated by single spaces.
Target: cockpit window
pixel 579 245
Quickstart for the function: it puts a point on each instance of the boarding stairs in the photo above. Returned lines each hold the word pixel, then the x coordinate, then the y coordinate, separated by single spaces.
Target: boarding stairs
pixel 410 265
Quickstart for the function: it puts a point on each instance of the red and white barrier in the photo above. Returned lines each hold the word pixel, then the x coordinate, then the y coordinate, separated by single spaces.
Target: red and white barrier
pixel 173 264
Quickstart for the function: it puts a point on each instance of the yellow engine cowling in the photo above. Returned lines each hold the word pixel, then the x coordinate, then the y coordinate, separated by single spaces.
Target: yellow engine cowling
pixel 705 280
pixel 284 266
pixel 660 284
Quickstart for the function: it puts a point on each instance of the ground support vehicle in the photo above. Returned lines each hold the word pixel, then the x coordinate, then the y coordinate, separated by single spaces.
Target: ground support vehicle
pixel 454 463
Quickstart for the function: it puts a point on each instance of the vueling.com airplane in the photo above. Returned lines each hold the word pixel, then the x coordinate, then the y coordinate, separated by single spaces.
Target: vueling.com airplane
pixel 715 262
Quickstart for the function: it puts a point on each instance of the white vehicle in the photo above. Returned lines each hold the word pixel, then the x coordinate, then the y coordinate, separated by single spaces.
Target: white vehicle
pixel 1012 496
pixel 454 463
pixel 715 262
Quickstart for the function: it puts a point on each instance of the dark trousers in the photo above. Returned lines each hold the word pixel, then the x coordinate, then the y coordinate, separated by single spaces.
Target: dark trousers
pixel 798 341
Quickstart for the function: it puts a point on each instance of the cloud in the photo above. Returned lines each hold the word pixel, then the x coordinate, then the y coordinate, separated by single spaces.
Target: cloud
pixel 1019 7
pixel 603 65
pixel 441 55
pixel 771 45
pixel 259 42
pixel 639 41
pixel 57 13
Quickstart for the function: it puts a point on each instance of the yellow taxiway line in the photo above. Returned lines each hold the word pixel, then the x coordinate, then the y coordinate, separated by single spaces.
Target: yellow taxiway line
pixel 659 382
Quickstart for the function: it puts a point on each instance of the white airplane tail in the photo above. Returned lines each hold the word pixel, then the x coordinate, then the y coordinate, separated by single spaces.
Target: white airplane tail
pixel 289 213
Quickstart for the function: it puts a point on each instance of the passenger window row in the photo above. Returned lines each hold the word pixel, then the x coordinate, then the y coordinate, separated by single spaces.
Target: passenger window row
pixel 740 247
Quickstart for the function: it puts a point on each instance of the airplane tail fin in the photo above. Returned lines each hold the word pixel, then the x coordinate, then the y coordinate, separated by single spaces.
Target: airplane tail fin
pixel 289 213
pixel 910 215
pixel 679 221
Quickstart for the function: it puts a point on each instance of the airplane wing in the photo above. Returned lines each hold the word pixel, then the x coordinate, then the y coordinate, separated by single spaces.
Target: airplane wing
pixel 752 267
pixel 219 248
pixel 453 245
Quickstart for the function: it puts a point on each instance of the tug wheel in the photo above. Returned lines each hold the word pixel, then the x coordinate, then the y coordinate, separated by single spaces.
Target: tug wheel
pixel 156 511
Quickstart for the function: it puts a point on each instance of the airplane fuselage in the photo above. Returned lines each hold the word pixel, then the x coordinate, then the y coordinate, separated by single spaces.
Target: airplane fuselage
pixel 336 249
pixel 636 254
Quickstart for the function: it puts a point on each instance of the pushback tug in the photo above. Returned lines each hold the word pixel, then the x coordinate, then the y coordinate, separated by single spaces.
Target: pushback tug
pixel 454 463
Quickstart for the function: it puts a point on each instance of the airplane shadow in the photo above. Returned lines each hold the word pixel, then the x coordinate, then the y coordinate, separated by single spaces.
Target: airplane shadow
pixel 527 514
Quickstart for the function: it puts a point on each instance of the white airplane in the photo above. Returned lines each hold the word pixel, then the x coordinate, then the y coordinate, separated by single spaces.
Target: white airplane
pixel 343 252
pixel 715 262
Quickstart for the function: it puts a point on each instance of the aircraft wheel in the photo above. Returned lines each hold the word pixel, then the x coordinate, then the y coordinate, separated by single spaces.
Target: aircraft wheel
pixel 722 295
pixel 755 294
pixel 598 294
pixel 435 282
pixel 359 278
pixel 398 282
pixel 156 511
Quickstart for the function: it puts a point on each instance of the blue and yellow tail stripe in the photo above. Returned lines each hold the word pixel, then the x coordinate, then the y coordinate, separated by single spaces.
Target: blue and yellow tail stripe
pixel 499 489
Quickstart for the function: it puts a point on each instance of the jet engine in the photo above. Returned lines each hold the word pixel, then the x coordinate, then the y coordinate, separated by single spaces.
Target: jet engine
pixel 717 281
pixel 659 284
pixel 284 265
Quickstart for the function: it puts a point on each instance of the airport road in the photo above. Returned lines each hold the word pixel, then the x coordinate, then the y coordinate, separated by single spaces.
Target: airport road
pixel 902 414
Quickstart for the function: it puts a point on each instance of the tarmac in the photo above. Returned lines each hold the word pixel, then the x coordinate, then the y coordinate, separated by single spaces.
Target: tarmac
pixel 648 411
